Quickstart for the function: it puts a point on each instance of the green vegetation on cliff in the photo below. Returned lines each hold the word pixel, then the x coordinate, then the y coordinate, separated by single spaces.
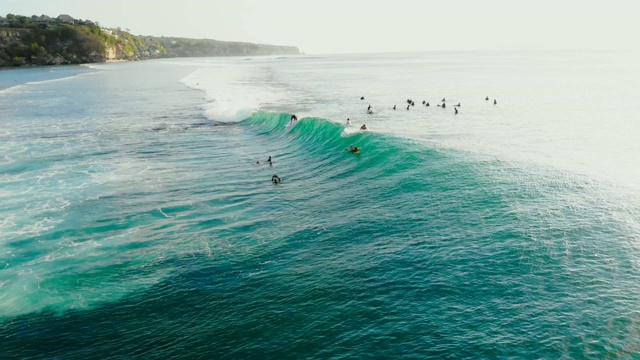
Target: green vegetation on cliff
pixel 46 41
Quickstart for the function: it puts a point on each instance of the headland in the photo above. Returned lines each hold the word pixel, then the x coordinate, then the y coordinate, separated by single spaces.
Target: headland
pixel 44 40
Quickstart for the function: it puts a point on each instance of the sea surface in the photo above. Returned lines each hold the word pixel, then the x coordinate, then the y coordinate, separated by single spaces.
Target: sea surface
pixel 138 219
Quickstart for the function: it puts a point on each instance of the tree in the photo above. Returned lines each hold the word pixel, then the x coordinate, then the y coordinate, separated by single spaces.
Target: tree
pixel 37 50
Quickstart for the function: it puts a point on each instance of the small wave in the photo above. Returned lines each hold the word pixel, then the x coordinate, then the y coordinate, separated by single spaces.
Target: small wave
pixel 13 89
pixel 18 88
pixel 63 78
pixel 103 66
pixel 351 130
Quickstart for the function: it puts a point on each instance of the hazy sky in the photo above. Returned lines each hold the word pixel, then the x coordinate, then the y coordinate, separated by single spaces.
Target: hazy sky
pixel 346 26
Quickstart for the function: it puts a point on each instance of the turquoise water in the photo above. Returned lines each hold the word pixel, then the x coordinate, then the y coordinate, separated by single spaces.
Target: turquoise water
pixel 136 221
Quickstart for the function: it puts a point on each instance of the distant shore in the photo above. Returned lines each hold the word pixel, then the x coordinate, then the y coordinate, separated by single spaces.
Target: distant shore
pixel 47 41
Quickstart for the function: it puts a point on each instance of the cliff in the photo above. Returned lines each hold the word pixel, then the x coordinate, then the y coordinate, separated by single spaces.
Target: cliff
pixel 46 41
pixel 181 47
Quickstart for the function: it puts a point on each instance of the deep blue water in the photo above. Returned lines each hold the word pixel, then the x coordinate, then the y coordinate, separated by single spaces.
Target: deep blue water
pixel 137 223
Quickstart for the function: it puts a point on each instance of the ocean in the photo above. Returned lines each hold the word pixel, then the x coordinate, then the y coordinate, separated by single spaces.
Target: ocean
pixel 138 218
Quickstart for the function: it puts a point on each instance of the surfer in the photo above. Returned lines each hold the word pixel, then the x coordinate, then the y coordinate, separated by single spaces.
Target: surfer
pixel 394 107
pixel 427 104
pixel 361 97
pixel 408 107
pixel 369 108
pixel 348 122
pixel 363 127
pixel 294 118
pixel 444 105
pixel 269 160
pixel 423 102
pixel 457 105
pixel 354 150
pixel 275 179
pixel 487 98
pixel 495 102
pixel 456 110
pixel 443 100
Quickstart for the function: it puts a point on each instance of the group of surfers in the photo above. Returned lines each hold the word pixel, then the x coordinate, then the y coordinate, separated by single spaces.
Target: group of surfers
pixel 356 150
pixel 411 103
pixel 275 179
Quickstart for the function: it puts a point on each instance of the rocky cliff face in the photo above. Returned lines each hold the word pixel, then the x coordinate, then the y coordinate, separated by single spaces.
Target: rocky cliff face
pixel 111 53
pixel 181 47
pixel 73 44
pixel 41 47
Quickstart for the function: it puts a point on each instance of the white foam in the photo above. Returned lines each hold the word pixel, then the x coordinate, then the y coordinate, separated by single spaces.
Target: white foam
pixel 233 91
pixel 62 79
pixel 14 89
pixel 96 66
pixel 9 221
pixel 351 130
pixel 34 229
pixel 20 88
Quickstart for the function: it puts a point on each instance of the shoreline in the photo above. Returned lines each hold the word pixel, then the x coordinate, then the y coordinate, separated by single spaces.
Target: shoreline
pixel 127 60
pixel 28 66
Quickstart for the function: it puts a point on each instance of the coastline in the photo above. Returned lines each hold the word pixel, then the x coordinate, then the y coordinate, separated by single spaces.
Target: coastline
pixel 24 75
